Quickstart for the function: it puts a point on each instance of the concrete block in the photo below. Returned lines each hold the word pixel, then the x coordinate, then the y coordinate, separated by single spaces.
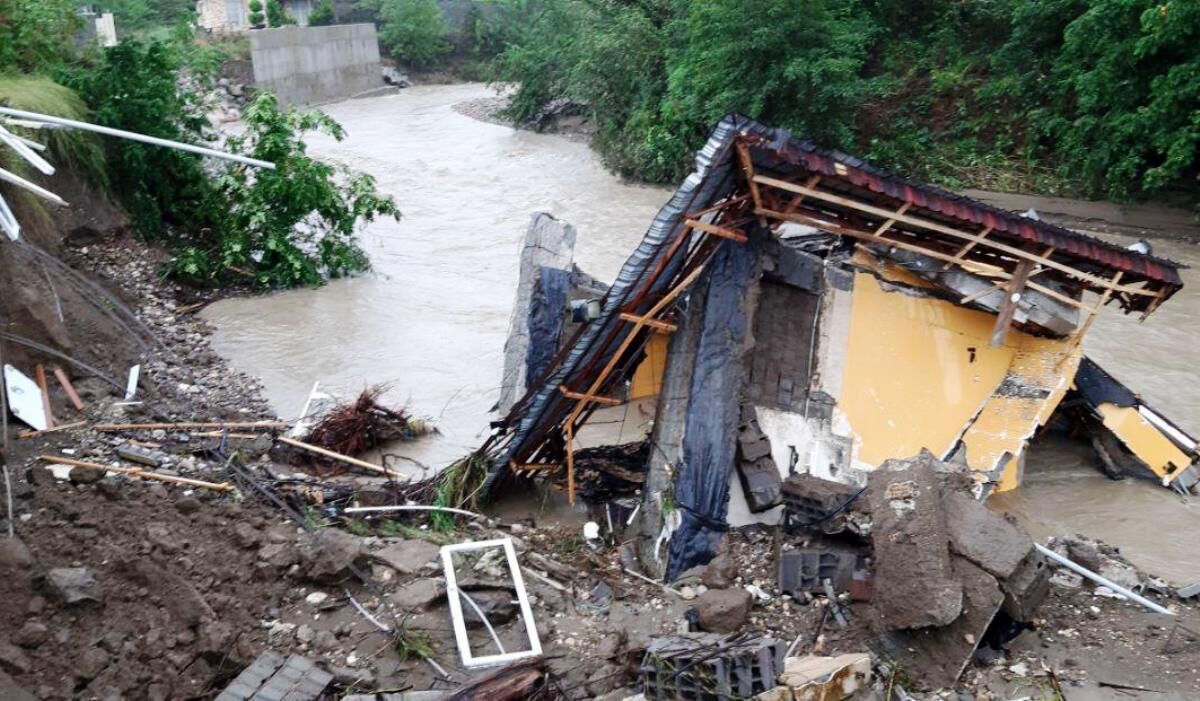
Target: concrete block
pixel 1027 587
pixel 984 536
pixel 805 569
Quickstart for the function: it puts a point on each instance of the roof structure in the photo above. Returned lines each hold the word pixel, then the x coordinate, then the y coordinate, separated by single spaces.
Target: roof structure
pixel 751 176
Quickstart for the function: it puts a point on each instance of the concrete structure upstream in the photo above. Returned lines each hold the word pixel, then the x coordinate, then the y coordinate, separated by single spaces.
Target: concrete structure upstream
pixel 310 65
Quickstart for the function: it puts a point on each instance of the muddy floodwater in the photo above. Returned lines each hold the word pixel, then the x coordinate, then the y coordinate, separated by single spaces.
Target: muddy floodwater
pixel 431 319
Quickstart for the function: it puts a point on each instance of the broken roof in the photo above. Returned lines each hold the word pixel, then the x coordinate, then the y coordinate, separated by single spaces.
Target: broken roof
pixel 750 173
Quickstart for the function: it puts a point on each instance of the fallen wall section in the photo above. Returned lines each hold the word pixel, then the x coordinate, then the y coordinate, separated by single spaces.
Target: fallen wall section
pixel 308 65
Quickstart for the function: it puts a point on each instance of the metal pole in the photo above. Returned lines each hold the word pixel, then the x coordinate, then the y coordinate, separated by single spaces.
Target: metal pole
pixel 108 131
pixel 1101 580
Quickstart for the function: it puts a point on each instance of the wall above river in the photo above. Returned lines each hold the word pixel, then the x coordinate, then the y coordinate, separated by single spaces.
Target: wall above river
pixel 310 65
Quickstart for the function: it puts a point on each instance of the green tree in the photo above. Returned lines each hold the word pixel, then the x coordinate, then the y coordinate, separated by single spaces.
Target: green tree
pixel 277 14
pixel 413 31
pixel 295 224
pixel 36 35
pixel 134 87
pixel 322 14
pixel 257 18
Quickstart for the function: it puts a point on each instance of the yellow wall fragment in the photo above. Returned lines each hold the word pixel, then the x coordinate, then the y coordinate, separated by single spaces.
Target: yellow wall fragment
pixel 917 370
pixel 1144 439
pixel 921 373
pixel 1037 380
pixel 647 380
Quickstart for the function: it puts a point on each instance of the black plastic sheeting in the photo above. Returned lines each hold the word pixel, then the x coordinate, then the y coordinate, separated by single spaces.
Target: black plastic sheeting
pixel 714 412
pixel 1098 387
pixel 711 181
pixel 546 319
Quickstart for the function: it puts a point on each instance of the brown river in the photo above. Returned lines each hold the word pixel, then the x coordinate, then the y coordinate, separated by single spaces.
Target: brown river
pixel 430 320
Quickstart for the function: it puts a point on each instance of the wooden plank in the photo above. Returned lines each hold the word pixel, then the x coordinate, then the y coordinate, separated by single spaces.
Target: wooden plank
pixel 936 255
pixel 1008 307
pixel 68 388
pixel 39 373
pixel 570 436
pixel 748 168
pixel 663 326
pixel 962 252
pixel 24 435
pixel 799 199
pixel 606 401
pixel 934 226
pixel 1087 324
pixel 717 207
pixel 888 224
pixel 723 232
pixel 139 472
pixel 532 467
pixel 342 458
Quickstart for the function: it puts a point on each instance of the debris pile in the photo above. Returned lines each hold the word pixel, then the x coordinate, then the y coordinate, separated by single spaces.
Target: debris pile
pixel 364 424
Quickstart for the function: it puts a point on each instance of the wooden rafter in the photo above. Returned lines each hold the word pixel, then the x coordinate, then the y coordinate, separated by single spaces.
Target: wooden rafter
pixel 950 231
pixel 1008 308
pixel 966 248
pixel 578 396
pixel 720 231
pixel 798 199
pixel 751 179
pixel 664 326
pixel 988 268
pixel 888 224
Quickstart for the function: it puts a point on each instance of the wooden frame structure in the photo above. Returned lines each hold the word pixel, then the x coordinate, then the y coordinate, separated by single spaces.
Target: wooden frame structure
pixel 776 182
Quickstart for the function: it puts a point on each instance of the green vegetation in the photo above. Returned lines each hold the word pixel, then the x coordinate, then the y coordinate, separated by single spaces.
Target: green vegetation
pixel 36 35
pixel 277 15
pixel 224 222
pixel 413 31
pixel 257 18
pixel 1080 96
pixel 322 14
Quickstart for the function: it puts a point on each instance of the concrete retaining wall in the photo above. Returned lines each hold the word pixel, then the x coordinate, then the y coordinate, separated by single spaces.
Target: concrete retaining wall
pixel 310 65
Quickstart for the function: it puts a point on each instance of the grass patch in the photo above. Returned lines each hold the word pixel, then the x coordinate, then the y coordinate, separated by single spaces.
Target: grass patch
pixel 77 151
pixel 459 488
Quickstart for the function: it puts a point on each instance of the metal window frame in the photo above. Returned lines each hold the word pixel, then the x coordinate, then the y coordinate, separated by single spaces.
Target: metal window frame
pixel 456 612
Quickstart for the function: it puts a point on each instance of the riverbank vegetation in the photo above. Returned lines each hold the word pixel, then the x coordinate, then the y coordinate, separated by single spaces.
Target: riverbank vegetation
pixel 223 223
pixel 1093 97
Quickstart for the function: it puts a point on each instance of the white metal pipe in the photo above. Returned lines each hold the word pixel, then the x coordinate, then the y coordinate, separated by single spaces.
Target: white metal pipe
pixel 1101 580
pixel 35 189
pixel 415 507
pixel 17 144
pixel 8 221
pixel 132 136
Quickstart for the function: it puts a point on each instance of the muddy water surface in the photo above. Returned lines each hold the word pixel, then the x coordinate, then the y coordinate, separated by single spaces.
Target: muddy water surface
pixel 431 319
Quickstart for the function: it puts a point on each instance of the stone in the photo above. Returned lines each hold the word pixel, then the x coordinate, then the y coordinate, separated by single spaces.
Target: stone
pixel 499 607
pixel 14 555
pixel 85 475
pixel 353 677
pixel 407 556
pixel 984 536
pixel 12 660
pixel 247 536
pixel 32 634
pixel 723 610
pixel 11 691
pixel 316 598
pixel 160 535
pixel 188 505
pixel 329 556
pixel 305 634
pixel 419 594
pixel 41 476
pixel 73 585
pixel 720 573
pixel 91 663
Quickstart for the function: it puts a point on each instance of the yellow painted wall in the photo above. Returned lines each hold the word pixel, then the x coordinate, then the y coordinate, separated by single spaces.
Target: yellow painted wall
pixel 1146 441
pixel 909 381
pixel 647 379
pixel 1010 418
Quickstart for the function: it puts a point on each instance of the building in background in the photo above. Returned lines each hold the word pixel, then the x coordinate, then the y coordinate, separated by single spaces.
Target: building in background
pixel 234 15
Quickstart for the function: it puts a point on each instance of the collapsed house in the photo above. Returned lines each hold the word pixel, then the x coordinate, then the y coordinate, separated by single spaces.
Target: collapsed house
pixel 797 311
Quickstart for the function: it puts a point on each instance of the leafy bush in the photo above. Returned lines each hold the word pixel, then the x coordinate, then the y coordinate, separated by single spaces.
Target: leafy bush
pixel 257 18
pixel 277 15
pixel 294 225
pixel 322 14
pixel 414 31
pixel 133 87
pixel 36 35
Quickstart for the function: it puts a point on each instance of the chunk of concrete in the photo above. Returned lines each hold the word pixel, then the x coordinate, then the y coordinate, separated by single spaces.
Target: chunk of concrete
pixel 984 536
pixel 329 557
pixel 914 579
pixel 934 657
pixel 816 678
pixel 419 594
pixel 407 556
pixel 723 610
